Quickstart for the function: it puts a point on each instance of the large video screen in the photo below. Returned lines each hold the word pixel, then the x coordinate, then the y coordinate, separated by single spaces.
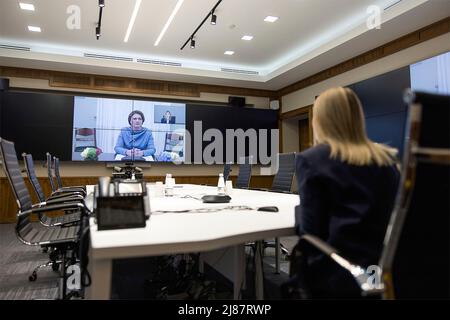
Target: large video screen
pixel 106 129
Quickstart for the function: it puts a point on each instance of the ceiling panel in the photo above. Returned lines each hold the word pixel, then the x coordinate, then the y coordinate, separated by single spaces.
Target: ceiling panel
pixel 305 30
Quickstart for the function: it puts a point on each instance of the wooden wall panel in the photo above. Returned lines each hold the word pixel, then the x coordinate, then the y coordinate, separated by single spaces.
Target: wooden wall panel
pixel 435 30
pixel 72 80
pixel 8 207
pixel 80 81
pixel 296 112
pixel 402 43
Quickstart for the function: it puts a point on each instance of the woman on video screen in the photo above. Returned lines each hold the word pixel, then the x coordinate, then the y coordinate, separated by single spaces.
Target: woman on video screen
pixel 135 141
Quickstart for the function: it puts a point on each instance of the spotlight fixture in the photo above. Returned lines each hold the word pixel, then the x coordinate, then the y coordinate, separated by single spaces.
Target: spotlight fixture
pixel 98 32
pixel 213 21
pixel 213 18
pixel 101 3
pixel 192 43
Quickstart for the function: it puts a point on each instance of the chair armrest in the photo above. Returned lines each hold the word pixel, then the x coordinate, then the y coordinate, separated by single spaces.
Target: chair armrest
pixel 61 200
pixel 69 198
pixel 73 189
pixel 39 204
pixel 81 188
pixel 77 187
pixel 55 207
pixel 65 195
pixel 318 244
pixel 60 192
pixel 360 274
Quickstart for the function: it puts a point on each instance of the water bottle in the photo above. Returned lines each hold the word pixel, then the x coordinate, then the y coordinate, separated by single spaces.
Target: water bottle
pixel 169 185
pixel 221 184
pixel 168 177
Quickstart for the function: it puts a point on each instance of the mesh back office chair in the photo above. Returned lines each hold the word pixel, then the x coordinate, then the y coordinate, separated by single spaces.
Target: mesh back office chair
pixel 84 138
pixel 59 239
pixel 282 182
pixel 245 174
pixel 43 218
pixel 415 259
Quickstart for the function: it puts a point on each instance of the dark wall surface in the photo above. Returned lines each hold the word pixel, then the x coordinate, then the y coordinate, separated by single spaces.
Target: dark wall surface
pixel 385 111
pixel 38 123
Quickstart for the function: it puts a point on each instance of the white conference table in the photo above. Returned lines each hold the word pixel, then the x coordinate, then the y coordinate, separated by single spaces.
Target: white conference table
pixel 173 233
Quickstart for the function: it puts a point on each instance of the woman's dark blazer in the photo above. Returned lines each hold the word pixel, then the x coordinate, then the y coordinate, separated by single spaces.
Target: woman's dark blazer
pixel 348 206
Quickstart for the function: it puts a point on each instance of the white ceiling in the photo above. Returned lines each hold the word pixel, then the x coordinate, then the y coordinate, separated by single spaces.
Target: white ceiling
pixel 309 36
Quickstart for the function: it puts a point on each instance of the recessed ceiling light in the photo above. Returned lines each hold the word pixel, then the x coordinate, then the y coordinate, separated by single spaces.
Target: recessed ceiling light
pixel 34 29
pixel 168 22
pixel 26 6
pixel 132 20
pixel 247 38
pixel 270 19
pixel 229 52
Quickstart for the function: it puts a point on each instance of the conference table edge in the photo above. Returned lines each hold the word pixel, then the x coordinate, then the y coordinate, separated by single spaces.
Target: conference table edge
pixel 187 247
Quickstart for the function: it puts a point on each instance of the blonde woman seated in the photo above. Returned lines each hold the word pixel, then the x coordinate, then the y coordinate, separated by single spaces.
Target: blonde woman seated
pixel 347 185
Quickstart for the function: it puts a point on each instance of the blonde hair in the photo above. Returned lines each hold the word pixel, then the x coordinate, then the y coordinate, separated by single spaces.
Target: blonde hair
pixel 338 121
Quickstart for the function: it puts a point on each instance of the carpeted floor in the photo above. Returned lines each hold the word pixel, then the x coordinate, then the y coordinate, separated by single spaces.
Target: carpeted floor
pixel 18 260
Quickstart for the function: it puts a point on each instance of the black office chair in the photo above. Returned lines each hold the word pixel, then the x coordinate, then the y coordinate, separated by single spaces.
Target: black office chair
pixel 58 239
pixel 282 182
pixel 244 175
pixel 59 184
pixel 55 189
pixel 415 260
pixel 66 219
